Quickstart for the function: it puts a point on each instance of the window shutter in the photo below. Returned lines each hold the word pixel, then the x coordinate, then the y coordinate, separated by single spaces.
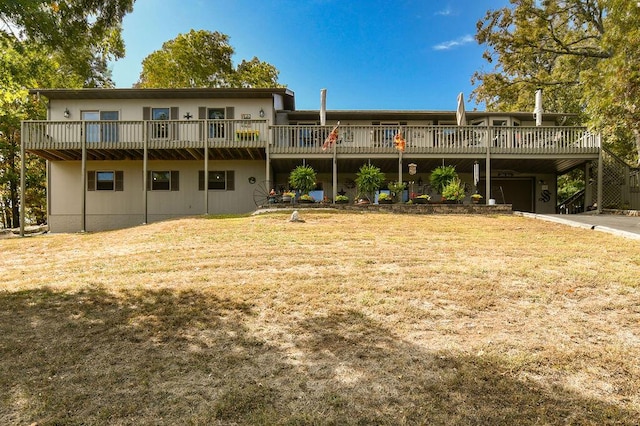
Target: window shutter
pixel 175 180
pixel 231 184
pixel 91 180
pixel 174 115
pixel 202 113
pixel 229 113
pixel 146 113
pixel 119 183
pixel 201 180
pixel 149 180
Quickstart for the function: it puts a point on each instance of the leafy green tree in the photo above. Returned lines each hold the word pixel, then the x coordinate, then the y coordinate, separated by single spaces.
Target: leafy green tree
pixel 86 33
pixel 46 43
pixel 583 53
pixel 203 59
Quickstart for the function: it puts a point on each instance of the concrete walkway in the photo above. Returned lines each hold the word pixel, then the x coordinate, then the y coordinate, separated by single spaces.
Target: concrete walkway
pixel 621 225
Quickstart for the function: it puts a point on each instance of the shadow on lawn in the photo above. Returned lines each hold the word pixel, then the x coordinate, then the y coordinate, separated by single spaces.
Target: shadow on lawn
pixel 170 357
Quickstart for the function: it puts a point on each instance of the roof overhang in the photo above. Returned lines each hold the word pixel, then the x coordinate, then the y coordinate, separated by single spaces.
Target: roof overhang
pixel 399 115
pixel 185 93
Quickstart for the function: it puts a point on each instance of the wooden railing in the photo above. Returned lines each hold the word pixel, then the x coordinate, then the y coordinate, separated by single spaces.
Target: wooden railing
pixel 307 139
pixel 427 139
pixel 161 134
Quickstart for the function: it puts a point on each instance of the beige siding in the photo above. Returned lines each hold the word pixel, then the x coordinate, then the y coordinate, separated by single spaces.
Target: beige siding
pixel 131 109
pixel 118 209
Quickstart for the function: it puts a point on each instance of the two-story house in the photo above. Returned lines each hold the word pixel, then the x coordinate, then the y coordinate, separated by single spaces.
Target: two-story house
pixel 123 157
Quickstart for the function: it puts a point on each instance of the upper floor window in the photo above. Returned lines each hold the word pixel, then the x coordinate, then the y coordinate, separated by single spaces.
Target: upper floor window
pixel 97 126
pixel 216 130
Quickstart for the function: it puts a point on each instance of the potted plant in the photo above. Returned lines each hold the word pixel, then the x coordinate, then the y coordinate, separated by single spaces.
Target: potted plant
pixel 306 198
pixel 441 176
pixel 303 178
pixel 368 180
pixel 342 199
pixel 384 198
pixel 454 191
pixel 288 196
pixel 421 199
pixel 475 198
pixel 396 189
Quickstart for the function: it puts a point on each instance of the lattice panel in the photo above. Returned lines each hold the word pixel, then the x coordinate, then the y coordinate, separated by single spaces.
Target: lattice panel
pixel 613 172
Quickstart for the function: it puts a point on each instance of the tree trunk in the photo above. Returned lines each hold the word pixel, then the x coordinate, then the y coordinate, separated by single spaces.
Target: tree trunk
pixel 636 133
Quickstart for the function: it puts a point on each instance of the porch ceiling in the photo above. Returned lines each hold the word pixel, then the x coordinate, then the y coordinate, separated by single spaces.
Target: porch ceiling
pixel 153 154
pixel 425 165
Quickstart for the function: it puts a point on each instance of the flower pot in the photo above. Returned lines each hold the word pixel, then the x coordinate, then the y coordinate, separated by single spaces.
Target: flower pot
pixel 420 200
pixel 385 201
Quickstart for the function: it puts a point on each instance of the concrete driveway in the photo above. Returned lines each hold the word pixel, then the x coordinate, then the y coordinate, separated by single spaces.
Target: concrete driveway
pixel 622 225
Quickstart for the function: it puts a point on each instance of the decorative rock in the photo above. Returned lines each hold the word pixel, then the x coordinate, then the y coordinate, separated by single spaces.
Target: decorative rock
pixel 295 217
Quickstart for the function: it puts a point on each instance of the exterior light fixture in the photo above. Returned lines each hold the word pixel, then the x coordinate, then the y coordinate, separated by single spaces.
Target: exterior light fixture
pixel 67 114
pixel 261 113
pixel 413 167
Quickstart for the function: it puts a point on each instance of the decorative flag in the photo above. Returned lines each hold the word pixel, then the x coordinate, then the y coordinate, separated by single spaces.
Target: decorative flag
pixel 399 142
pixel 331 139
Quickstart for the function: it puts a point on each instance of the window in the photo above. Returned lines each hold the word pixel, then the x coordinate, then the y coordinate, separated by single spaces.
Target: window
pixel 105 180
pixel 216 130
pixel 163 180
pixel 160 130
pixel 218 180
pixel 95 131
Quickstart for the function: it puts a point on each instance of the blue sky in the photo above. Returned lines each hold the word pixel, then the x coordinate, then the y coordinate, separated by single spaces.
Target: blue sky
pixel 405 54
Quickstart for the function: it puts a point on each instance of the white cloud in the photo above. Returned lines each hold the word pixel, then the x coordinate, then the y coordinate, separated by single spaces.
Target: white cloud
pixel 454 43
pixel 444 12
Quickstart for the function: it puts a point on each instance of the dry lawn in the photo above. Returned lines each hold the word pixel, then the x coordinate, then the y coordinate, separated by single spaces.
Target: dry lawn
pixel 345 319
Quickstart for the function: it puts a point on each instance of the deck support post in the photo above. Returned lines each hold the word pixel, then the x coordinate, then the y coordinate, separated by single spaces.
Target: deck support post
pixel 600 173
pixel 334 191
pixel 487 172
pixel 206 172
pixel 83 183
pixel 22 179
pixel 145 174
pixel 400 161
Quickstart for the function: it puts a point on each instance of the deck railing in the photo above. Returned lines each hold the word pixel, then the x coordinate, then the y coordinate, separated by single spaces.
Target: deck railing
pixel 305 139
pixel 160 134
pixel 426 139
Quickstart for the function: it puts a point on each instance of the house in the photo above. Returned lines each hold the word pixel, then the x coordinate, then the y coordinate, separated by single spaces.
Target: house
pixel 123 157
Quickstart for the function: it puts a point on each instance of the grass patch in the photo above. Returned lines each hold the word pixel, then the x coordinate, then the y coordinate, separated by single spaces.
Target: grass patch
pixel 344 319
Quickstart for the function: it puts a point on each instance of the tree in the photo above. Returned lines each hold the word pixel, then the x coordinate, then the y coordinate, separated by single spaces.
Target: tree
pixel 86 33
pixel 47 43
pixel 576 50
pixel 203 59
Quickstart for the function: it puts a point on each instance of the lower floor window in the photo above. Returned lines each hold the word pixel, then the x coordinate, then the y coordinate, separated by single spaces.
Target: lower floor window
pixel 165 180
pixel 105 180
pixel 220 180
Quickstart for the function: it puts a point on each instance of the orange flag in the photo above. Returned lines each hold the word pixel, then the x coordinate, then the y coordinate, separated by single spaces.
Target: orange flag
pixel 331 139
pixel 399 141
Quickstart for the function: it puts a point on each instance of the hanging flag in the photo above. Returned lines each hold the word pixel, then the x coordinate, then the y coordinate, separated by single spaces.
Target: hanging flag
pixel 331 139
pixel 399 142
